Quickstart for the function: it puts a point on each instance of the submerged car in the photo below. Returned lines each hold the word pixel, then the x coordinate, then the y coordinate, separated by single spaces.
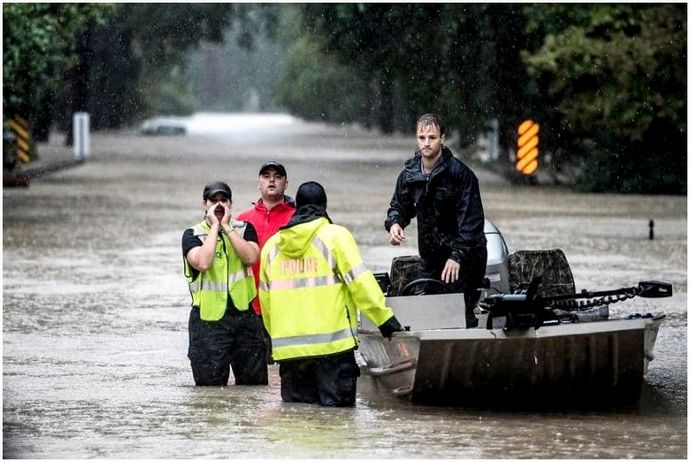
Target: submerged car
pixel 538 341
pixel 167 126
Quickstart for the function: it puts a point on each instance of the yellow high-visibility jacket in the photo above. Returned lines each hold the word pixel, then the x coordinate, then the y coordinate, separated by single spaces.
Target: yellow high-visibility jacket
pixel 312 281
pixel 227 275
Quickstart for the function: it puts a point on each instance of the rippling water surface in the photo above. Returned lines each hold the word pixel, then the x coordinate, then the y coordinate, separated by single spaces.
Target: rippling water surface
pixel 95 307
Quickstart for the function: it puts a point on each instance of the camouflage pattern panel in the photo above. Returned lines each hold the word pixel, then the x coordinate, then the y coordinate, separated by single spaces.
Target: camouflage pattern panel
pixel 403 271
pixel 551 265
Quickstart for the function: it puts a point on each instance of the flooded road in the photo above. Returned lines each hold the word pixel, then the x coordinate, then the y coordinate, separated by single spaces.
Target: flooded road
pixel 95 306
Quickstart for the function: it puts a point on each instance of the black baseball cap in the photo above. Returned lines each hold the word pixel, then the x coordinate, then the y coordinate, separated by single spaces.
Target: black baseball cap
pixel 216 187
pixel 277 166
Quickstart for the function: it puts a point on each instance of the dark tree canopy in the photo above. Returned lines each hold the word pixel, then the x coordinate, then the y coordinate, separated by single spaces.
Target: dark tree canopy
pixel 606 82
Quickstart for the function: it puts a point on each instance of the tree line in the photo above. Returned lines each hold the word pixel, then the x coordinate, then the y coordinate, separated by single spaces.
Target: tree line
pixel 606 82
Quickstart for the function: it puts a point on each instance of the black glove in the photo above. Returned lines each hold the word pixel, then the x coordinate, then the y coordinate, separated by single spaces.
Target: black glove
pixel 390 326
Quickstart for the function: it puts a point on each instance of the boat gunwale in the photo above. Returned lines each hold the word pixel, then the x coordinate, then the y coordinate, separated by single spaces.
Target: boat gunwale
pixel 556 330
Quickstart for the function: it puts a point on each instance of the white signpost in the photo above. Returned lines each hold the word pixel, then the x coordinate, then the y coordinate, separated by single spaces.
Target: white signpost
pixel 80 133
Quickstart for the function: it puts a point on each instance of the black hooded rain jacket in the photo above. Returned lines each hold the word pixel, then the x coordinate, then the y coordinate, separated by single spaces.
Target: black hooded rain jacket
pixel 448 207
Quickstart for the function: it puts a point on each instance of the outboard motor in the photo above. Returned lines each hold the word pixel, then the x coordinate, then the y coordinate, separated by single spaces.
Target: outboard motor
pixel 496 258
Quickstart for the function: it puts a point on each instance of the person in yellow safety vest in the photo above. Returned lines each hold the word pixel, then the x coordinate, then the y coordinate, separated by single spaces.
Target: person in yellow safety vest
pixel 223 332
pixel 312 283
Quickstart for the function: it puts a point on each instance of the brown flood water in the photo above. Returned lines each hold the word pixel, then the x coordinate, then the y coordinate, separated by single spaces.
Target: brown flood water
pixel 95 306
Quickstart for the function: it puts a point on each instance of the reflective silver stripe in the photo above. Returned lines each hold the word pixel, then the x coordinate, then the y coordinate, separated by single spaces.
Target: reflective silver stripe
pixel 311 339
pixel 321 247
pixel 239 275
pixel 208 286
pixel 240 227
pixel 354 273
pixel 212 286
pixel 272 254
pixel 312 281
pixel 263 286
pixel 199 232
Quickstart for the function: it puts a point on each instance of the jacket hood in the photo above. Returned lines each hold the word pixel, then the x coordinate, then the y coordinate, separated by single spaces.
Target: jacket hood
pixel 293 240
pixel 298 233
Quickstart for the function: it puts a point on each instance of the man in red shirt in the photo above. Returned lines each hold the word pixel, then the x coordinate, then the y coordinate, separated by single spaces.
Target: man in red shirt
pixel 273 210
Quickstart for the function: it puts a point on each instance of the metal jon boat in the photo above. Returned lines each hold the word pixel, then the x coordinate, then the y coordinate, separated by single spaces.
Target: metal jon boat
pixel 534 344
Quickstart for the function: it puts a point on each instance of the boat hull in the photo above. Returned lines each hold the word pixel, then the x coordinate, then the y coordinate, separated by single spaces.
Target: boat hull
pixel 594 361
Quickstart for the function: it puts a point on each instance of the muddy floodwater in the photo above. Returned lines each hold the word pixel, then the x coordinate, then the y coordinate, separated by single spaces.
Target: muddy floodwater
pixel 95 306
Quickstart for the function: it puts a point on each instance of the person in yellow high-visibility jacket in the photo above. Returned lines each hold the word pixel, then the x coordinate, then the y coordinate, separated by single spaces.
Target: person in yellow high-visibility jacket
pixel 312 282
pixel 223 331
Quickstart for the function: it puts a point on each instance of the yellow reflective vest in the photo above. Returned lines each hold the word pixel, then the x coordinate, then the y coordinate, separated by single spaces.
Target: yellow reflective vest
pixel 227 275
pixel 312 281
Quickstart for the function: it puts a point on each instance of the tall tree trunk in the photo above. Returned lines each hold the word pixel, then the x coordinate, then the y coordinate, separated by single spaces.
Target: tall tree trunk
pixel 40 130
pixel 80 80
pixel 386 103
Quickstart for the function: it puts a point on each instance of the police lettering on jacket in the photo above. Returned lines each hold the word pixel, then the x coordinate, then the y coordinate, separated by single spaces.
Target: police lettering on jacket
pixel 298 266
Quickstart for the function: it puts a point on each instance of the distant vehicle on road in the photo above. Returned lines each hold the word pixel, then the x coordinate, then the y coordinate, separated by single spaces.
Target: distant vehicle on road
pixel 168 126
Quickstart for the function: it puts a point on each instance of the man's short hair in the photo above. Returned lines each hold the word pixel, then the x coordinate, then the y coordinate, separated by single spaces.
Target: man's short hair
pixel 431 120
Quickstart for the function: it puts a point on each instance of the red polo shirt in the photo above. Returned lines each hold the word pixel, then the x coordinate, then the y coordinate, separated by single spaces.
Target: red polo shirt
pixel 267 223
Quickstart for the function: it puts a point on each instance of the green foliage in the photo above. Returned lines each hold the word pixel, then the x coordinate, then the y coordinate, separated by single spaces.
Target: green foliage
pixel 616 76
pixel 38 44
pixel 315 86
pixel 170 96
pixel 606 82
pixel 162 33
pixel 445 58
pixel 229 77
pixel 388 46
pixel 622 82
pixel 115 61
pixel 137 54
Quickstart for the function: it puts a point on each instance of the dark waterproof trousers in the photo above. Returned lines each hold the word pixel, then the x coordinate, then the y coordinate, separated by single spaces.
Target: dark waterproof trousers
pixel 471 275
pixel 328 381
pixel 235 340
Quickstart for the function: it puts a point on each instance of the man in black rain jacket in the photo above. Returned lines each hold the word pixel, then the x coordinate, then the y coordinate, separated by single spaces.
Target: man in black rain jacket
pixel 443 193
